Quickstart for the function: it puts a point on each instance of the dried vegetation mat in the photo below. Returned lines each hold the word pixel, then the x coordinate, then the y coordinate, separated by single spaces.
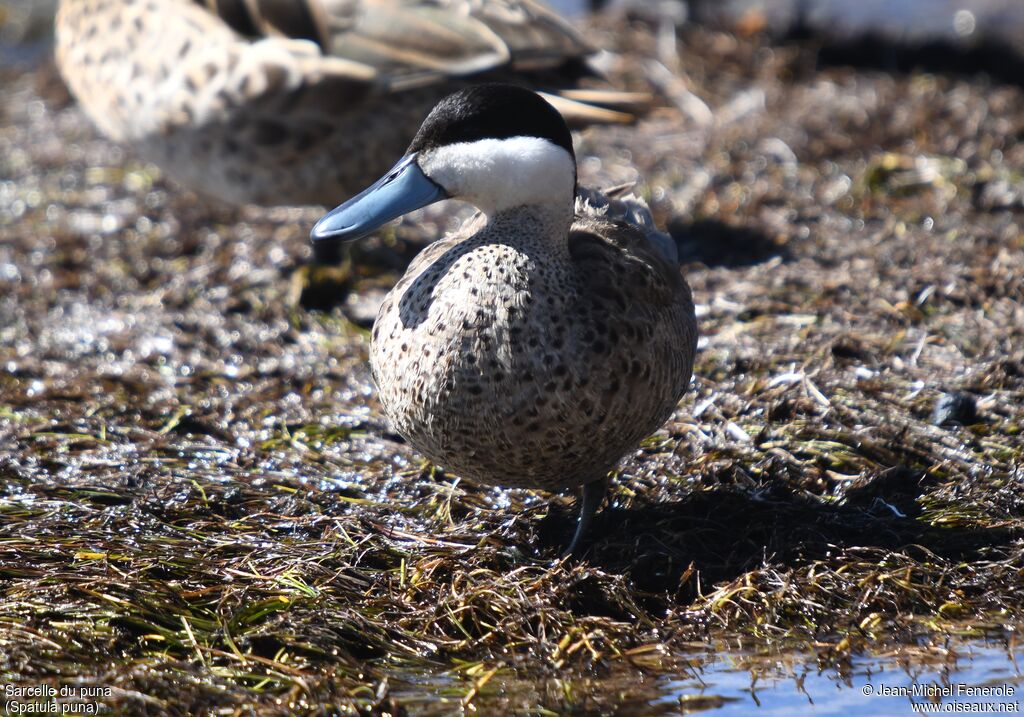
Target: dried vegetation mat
pixel 202 509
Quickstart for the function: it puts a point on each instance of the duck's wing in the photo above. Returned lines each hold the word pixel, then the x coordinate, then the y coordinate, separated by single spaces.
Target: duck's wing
pixel 621 207
pixel 416 40
pixel 620 266
pixel 634 297
pixel 414 43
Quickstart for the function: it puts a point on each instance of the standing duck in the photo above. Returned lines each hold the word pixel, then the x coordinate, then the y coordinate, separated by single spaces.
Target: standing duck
pixel 299 102
pixel 543 340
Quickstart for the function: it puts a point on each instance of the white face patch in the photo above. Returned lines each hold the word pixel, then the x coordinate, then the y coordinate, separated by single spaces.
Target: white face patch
pixel 497 174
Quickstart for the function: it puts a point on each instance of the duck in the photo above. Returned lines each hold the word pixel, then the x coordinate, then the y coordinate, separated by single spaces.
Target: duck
pixel 297 103
pixel 543 340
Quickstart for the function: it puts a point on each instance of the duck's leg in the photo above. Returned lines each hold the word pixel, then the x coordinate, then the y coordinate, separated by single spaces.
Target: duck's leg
pixel 593 496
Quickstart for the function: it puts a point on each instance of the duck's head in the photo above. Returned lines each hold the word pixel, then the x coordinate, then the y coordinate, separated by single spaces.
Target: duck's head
pixel 495 146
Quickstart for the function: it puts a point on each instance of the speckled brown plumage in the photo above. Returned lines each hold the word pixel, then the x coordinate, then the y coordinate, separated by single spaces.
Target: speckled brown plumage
pixel 517 353
pixel 291 103
pixel 547 337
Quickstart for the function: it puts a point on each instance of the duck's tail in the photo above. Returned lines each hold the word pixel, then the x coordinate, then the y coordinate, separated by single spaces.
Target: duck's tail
pixel 581 107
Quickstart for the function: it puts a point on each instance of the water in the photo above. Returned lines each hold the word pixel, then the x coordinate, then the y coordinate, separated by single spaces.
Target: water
pixel 872 685
pixel 728 681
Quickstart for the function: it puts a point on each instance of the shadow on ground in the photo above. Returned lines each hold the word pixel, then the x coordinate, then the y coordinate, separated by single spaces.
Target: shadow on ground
pixel 715 243
pixel 673 552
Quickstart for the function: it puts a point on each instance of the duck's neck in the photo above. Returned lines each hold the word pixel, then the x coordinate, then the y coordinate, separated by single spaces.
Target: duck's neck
pixel 543 226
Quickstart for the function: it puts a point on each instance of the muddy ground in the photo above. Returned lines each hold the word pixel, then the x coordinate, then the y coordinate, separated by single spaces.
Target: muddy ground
pixel 203 510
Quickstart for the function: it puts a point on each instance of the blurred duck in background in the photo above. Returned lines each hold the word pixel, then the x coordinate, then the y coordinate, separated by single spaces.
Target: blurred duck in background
pixel 296 102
